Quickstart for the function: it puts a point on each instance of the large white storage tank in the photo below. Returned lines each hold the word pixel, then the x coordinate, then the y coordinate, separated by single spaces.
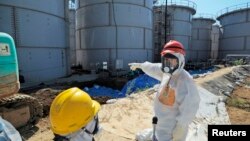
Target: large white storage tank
pixel 235 25
pixel 178 24
pixel 38 27
pixel 113 31
pixel 201 37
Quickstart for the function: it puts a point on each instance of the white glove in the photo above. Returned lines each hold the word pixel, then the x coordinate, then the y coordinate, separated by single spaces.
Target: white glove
pixel 179 133
pixel 134 66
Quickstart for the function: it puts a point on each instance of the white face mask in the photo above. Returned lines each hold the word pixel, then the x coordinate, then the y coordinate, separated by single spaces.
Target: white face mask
pixel 169 65
pixel 93 126
pixel 86 133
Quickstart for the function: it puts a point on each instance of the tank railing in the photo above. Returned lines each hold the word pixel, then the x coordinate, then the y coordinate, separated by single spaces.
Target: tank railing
pixel 204 15
pixel 233 8
pixel 182 3
pixel 72 5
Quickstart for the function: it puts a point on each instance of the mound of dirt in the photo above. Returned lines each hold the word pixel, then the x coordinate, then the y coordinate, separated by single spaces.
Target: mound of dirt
pixel 122 119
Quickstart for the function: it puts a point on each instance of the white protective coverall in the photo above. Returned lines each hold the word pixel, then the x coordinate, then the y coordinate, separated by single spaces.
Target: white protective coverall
pixel 176 110
pixel 8 131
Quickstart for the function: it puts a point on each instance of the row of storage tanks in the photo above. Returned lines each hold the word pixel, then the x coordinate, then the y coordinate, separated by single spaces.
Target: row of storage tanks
pixel 50 38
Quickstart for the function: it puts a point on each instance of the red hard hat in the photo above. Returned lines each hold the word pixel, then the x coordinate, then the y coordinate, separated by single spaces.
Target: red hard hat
pixel 173 47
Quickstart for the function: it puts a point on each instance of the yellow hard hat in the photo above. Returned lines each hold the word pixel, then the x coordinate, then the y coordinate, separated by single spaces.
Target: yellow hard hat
pixel 71 110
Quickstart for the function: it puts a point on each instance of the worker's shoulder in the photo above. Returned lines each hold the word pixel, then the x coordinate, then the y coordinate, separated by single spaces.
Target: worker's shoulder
pixel 186 75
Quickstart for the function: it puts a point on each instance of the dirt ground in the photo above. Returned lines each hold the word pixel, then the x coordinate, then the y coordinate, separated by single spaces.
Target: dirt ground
pixel 213 75
pixel 238 107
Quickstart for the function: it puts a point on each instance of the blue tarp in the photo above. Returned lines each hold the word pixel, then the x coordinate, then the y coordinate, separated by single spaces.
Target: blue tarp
pixel 97 90
pixel 139 83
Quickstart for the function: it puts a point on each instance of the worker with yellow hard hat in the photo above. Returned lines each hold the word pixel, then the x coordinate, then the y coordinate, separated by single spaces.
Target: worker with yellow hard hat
pixel 73 116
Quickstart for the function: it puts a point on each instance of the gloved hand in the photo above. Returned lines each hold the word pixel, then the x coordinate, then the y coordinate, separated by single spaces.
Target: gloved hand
pixel 134 66
pixel 180 132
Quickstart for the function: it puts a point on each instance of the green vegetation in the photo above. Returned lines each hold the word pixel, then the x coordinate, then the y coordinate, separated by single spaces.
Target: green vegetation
pixel 239 103
pixel 248 83
pixel 238 62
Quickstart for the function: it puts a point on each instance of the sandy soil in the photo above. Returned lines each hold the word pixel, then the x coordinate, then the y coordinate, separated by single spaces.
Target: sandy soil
pixel 41 132
pixel 213 75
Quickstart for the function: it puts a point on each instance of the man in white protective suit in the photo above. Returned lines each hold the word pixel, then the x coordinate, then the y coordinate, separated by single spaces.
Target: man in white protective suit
pixel 177 99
